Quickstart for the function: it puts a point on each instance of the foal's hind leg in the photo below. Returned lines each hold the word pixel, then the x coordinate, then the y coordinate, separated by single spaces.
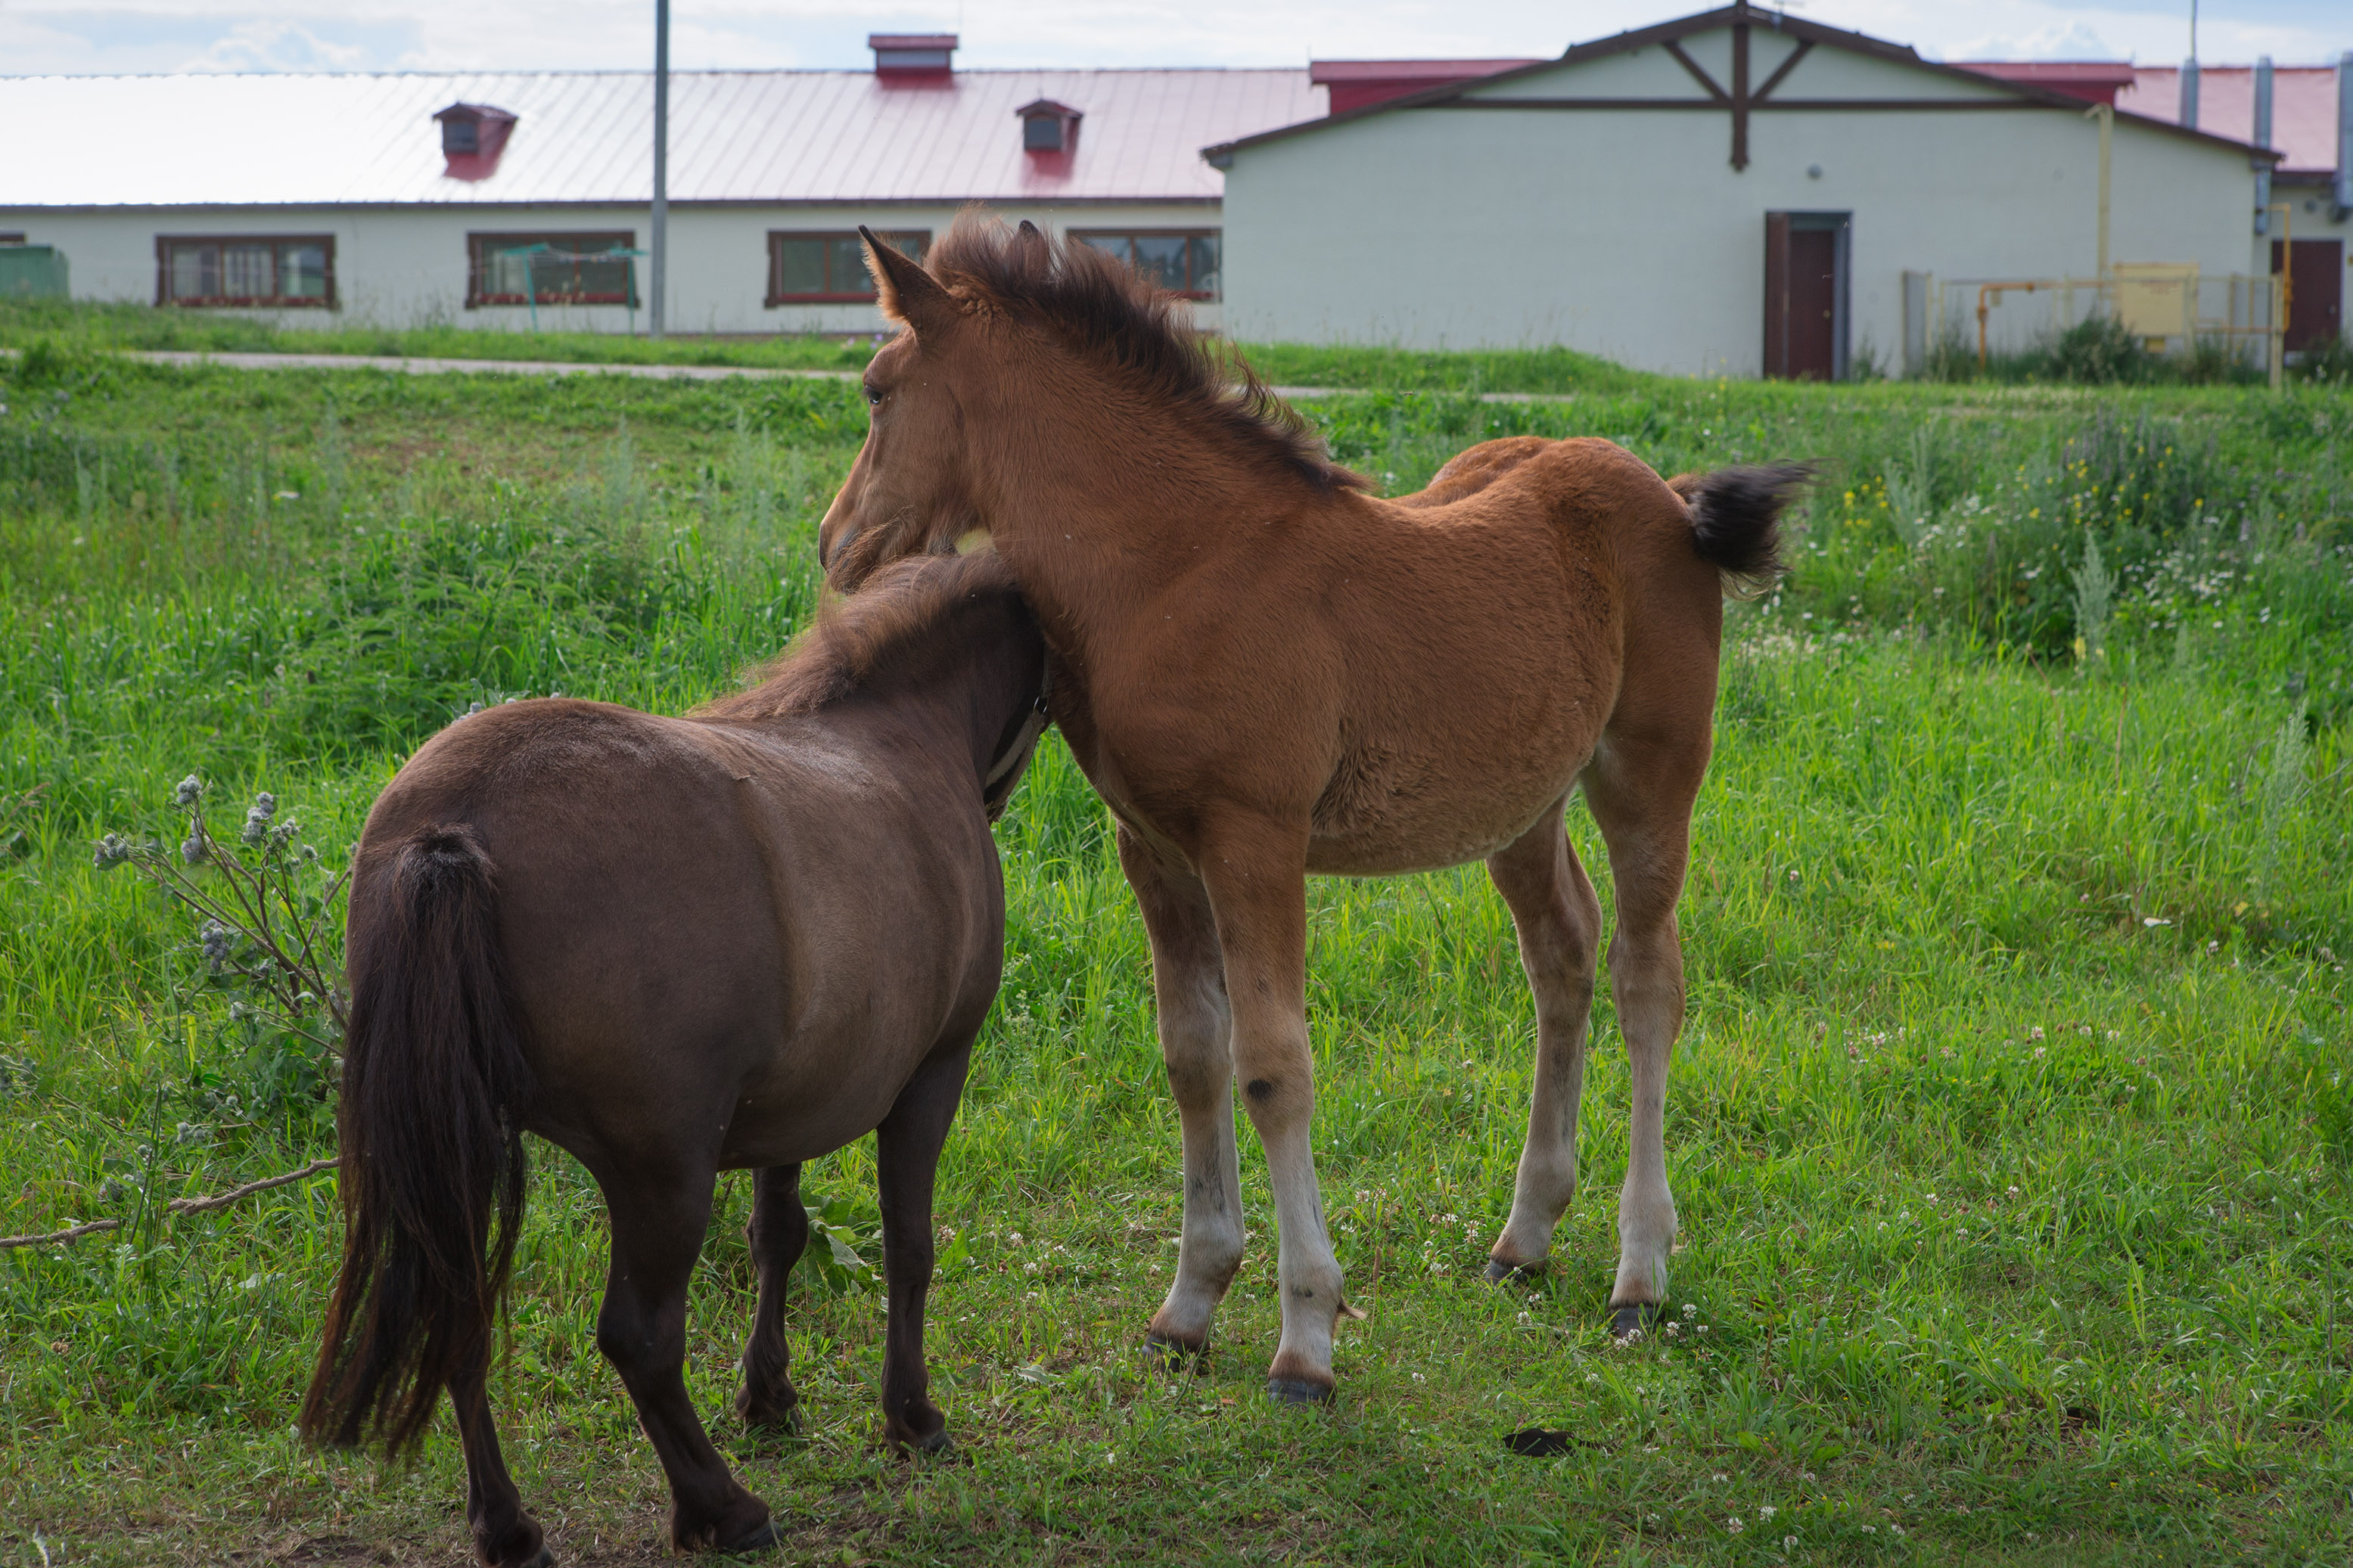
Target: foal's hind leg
pixel 658 1218
pixel 907 1159
pixel 777 1232
pixel 1559 924
pixel 1640 790
pixel 505 1535
pixel 1188 983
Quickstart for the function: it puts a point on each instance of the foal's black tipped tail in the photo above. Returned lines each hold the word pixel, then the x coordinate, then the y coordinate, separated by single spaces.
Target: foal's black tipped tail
pixel 1735 517
pixel 432 1173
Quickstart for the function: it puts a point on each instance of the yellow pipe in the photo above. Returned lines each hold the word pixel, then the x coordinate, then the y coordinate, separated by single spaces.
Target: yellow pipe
pixel 2283 294
pixel 2105 113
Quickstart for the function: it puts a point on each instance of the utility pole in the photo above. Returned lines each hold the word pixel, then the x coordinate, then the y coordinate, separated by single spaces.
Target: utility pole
pixel 660 246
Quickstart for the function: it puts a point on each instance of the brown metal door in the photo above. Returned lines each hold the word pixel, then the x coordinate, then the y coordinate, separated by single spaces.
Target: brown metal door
pixel 1805 258
pixel 1776 294
pixel 1813 304
pixel 2316 291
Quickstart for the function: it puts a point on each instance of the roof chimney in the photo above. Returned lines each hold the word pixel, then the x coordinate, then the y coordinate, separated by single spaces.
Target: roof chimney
pixel 1048 127
pixel 2189 92
pixel 472 137
pixel 913 54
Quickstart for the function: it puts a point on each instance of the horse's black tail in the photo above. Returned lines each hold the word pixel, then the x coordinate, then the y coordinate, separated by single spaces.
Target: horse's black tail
pixel 435 1083
pixel 1735 518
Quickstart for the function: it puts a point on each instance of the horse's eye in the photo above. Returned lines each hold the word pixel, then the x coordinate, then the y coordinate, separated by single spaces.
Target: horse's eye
pixel 874 397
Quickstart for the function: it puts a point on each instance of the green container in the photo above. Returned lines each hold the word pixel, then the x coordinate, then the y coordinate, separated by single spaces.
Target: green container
pixel 32 272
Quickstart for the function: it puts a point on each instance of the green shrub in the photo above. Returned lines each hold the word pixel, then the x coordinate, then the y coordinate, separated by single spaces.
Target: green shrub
pixel 2097 352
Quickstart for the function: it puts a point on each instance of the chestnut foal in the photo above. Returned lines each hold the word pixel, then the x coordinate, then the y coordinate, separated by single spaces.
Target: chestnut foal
pixel 674 947
pixel 1266 673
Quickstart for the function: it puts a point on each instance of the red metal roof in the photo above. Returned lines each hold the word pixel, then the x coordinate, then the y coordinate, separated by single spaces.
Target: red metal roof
pixel 1359 84
pixel 2303 108
pixel 2094 81
pixel 586 137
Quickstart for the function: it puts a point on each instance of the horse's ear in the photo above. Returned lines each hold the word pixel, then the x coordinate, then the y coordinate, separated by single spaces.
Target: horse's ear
pixel 1030 228
pixel 905 291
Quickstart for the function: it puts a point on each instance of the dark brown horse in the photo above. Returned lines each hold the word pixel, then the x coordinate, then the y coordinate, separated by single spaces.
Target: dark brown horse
pixel 1266 673
pixel 674 947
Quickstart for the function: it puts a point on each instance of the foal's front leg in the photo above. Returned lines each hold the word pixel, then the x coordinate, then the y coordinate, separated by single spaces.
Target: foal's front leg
pixel 778 1231
pixel 907 1160
pixel 1257 878
pixel 1188 983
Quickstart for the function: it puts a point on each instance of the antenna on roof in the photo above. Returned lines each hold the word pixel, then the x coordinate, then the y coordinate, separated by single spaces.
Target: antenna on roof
pixel 661 238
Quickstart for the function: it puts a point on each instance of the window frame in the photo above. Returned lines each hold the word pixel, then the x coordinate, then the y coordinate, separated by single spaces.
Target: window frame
pixel 777 237
pixel 165 244
pixel 478 242
pixel 1089 236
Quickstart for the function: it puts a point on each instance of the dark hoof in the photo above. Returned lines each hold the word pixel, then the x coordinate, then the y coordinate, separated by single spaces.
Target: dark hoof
pixel 1298 1391
pixel 784 1422
pixel 1174 1355
pixel 1631 1323
pixel 530 1552
pixel 1539 1443
pixel 1499 1272
pixel 908 1440
pixel 764 1538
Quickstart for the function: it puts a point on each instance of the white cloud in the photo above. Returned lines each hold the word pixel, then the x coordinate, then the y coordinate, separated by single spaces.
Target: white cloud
pixel 273 46
pixel 379 35
pixel 2075 41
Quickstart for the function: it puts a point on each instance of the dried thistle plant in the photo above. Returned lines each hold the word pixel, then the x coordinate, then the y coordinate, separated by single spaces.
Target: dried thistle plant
pixel 266 906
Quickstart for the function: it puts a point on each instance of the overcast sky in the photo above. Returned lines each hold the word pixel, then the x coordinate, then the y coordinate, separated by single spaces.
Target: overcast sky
pixel 47 36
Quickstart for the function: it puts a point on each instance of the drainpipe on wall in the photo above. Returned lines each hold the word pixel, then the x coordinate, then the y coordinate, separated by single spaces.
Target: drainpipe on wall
pixel 2189 93
pixel 2343 204
pixel 2105 113
pixel 2263 139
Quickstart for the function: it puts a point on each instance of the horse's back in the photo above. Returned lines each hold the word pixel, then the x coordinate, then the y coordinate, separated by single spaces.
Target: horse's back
pixel 1514 604
pixel 696 915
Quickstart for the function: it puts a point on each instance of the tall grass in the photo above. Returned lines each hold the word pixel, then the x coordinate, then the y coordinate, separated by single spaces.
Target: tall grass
pixel 2011 1131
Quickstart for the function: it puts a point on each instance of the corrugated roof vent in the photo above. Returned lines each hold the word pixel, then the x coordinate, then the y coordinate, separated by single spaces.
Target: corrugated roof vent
pixel 1048 127
pixel 472 137
pixel 913 54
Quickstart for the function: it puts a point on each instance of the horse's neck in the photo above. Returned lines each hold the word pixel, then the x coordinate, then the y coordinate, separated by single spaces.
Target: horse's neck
pixel 1094 524
pixel 974 692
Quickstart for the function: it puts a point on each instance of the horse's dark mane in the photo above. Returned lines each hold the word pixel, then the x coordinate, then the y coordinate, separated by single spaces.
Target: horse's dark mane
pixel 866 634
pixel 1102 310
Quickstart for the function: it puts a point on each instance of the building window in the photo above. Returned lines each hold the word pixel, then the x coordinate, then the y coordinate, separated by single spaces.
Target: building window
pixel 294 270
pixel 1183 261
pixel 811 268
pixel 578 269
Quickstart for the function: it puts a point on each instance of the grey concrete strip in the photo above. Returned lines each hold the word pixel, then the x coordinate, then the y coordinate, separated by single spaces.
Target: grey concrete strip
pixel 405 366
pixel 1293 393
pixel 480 366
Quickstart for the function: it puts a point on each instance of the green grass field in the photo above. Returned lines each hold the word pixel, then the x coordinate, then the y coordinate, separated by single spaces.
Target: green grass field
pixel 2011 1129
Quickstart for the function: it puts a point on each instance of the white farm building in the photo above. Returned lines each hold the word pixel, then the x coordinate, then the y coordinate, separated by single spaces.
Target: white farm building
pixel 1743 191
pixel 515 199
pixel 1740 191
